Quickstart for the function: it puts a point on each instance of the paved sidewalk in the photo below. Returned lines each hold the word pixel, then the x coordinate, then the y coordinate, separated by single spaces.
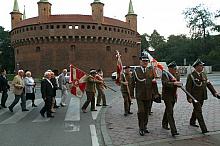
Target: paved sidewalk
pixel 119 130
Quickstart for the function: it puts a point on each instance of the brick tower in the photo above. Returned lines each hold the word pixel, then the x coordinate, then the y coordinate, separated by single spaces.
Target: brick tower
pixel 16 15
pixel 44 10
pixel 97 11
pixel 131 17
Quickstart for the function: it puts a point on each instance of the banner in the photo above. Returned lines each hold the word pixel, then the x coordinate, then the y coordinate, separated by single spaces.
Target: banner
pixel 119 68
pixel 77 80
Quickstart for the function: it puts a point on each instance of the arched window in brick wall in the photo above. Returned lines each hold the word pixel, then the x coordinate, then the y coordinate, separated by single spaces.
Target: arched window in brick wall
pixel 108 48
pixel 126 50
pixel 37 49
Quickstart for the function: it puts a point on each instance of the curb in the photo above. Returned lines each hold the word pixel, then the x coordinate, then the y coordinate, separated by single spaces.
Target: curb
pixel 105 135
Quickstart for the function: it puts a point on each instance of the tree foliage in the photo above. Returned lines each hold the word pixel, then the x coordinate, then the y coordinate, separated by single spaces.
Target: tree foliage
pixel 199 20
pixel 6 51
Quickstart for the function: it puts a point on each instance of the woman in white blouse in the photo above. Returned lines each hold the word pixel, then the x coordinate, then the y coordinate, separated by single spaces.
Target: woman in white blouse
pixel 30 88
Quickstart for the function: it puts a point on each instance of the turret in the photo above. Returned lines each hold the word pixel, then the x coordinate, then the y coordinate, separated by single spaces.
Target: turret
pixel 24 14
pixel 16 16
pixel 131 17
pixel 44 10
pixel 97 11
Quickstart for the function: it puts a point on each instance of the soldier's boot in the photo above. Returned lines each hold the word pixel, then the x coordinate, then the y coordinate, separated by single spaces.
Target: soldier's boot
pixel 141 123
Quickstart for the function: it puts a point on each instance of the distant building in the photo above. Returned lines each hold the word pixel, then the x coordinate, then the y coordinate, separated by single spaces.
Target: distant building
pixel 86 41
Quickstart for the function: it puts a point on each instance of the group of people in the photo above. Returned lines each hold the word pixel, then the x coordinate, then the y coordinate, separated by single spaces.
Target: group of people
pixel 24 89
pixel 141 84
pixel 94 81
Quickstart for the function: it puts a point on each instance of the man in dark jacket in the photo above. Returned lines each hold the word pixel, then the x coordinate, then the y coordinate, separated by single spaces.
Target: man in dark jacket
pixel 144 83
pixel 47 94
pixel 197 84
pixel 169 94
pixel 4 87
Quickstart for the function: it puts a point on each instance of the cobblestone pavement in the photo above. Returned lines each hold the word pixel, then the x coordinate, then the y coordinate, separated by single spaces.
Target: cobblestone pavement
pixel 123 130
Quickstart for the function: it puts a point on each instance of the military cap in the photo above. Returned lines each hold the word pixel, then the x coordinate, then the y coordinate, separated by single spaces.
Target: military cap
pixel 172 64
pixel 198 62
pixel 92 71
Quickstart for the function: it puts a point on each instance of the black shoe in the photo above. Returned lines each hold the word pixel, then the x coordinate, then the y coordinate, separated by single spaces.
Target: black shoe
pixel 61 105
pixel 104 105
pixel 146 131
pixel 206 131
pixel 10 109
pixel 174 134
pixel 141 132
pixel 125 114
pixel 165 127
pixel 194 125
pixel 130 113
pixel 93 109
pixel 98 105
pixel 56 106
pixel 42 114
pixel 24 110
pixel 34 105
pixel 50 116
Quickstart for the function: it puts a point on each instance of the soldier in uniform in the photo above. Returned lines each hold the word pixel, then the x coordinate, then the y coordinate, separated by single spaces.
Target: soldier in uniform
pixel 125 89
pixel 197 84
pixel 143 82
pixel 90 90
pixel 100 88
pixel 169 94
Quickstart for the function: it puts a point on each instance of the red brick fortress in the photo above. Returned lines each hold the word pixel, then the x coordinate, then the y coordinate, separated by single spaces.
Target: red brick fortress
pixel 87 41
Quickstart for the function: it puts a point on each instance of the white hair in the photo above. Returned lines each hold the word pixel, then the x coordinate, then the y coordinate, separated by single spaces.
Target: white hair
pixel 46 74
pixel 20 70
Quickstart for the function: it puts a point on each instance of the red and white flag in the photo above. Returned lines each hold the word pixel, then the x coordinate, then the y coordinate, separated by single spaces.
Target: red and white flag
pixel 78 81
pixel 119 68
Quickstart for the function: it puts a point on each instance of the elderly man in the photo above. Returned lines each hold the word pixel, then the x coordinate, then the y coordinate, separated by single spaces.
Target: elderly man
pixel 47 94
pixel 143 81
pixel 18 84
pixel 62 85
pixel 197 84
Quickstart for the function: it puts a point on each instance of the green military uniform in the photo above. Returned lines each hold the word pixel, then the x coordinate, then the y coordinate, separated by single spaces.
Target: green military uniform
pixel 125 90
pixel 90 92
pixel 100 88
pixel 142 82
pixel 169 94
pixel 196 85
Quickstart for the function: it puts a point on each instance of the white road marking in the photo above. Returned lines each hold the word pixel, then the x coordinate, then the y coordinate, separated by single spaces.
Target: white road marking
pixel 73 111
pixel 19 115
pixel 94 137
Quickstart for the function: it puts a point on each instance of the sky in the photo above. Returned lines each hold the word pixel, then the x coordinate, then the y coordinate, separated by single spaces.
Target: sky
pixel 165 16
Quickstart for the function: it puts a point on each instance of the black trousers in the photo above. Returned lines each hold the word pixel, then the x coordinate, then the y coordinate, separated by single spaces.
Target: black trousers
pixel 90 98
pixel 4 98
pixel 47 106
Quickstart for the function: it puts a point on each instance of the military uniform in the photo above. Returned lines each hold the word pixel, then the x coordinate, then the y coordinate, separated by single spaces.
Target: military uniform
pixel 169 94
pixel 126 94
pixel 100 88
pixel 142 82
pixel 197 84
pixel 90 91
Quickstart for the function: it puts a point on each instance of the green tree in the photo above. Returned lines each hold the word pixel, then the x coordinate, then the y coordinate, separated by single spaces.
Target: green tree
pixel 6 51
pixel 144 42
pixel 199 20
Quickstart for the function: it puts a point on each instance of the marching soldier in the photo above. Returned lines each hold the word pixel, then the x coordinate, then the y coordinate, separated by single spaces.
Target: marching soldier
pixel 125 90
pixel 100 88
pixel 197 84
pixel 90 90
pixel 143 82
pixel 169 94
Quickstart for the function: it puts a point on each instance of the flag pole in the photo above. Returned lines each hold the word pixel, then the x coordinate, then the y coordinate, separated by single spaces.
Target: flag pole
pixel 94 78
